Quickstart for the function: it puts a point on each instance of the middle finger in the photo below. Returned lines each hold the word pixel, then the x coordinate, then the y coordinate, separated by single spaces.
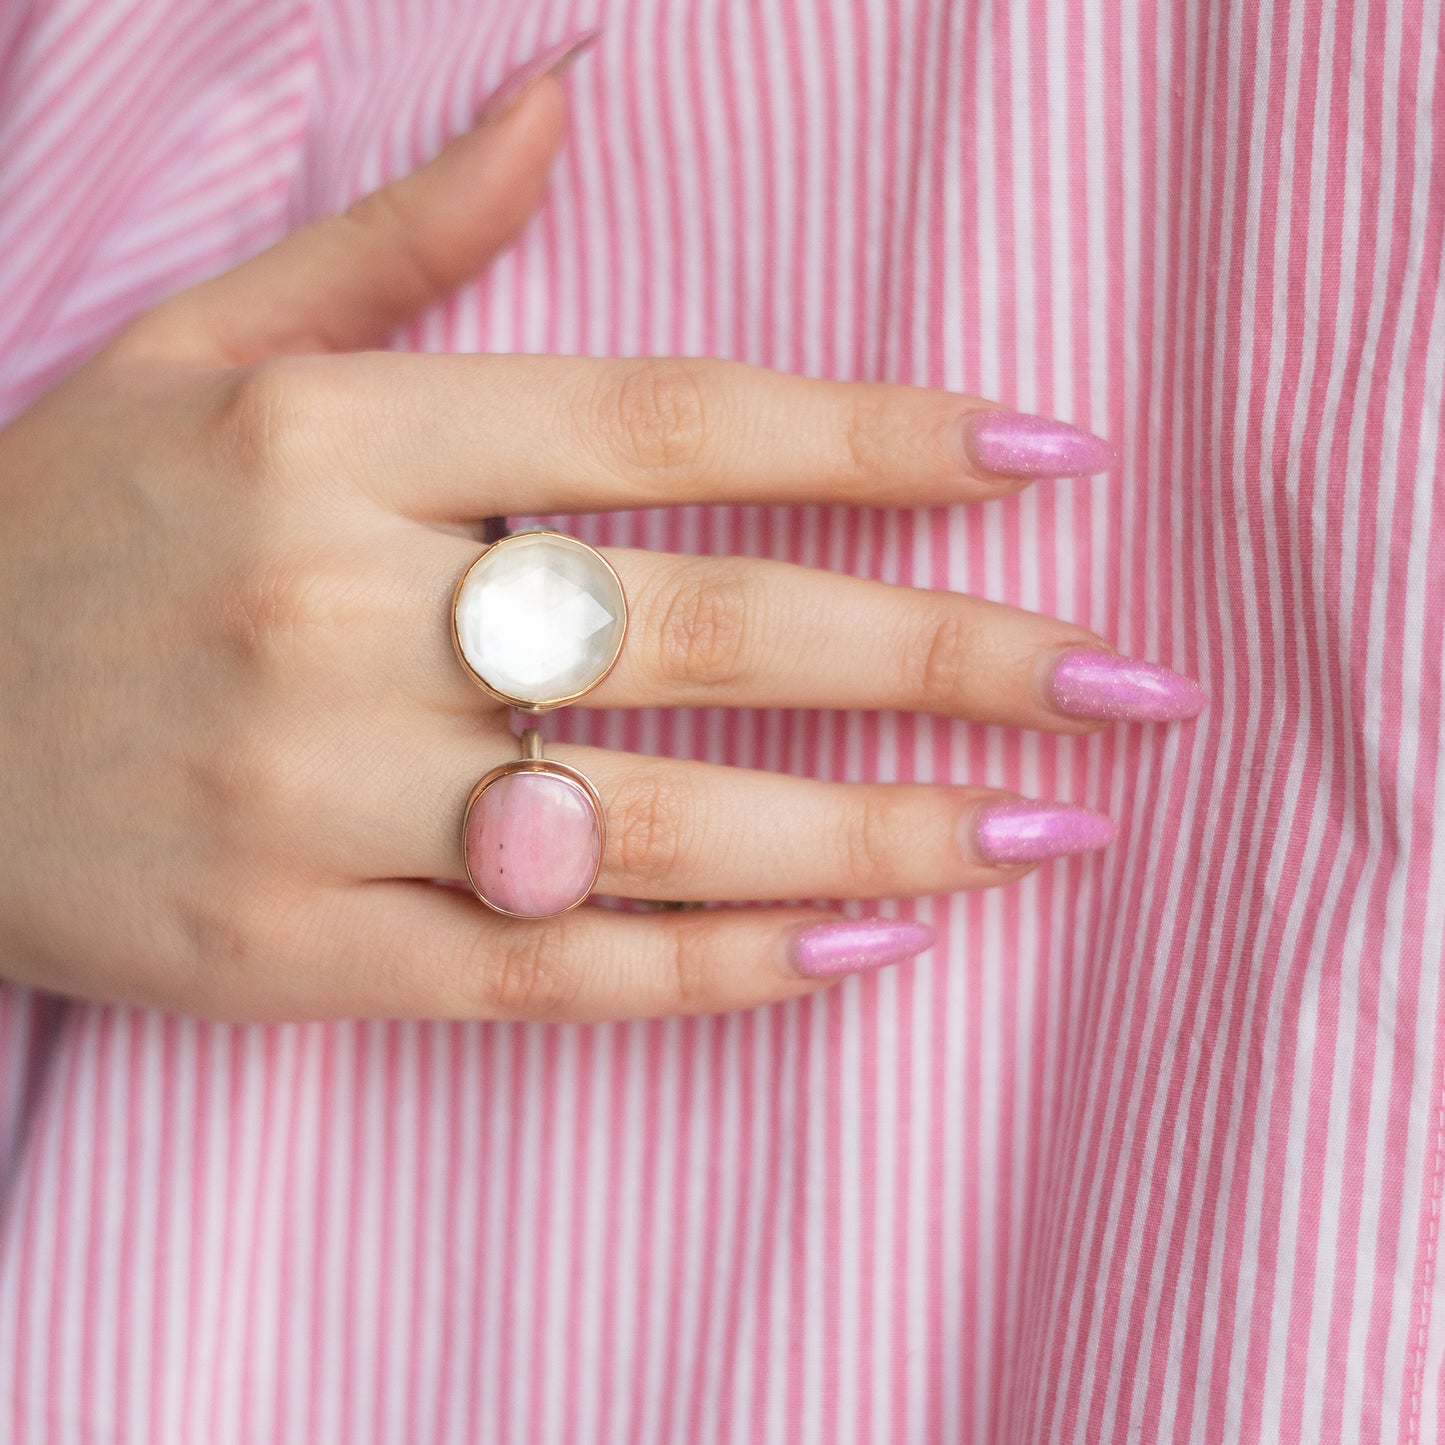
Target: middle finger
pixel 750 632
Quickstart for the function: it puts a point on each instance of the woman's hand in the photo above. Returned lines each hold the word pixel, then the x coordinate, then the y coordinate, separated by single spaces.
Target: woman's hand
pixel 235 739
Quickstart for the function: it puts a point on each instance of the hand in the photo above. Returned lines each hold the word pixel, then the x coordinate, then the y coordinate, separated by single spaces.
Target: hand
pixel 235 740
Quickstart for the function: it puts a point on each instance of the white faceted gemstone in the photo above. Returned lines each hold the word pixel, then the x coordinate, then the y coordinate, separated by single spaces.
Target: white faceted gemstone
pixel 539 617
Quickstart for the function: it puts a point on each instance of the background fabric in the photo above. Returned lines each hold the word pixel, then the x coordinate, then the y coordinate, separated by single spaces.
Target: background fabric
pixel 1152 1146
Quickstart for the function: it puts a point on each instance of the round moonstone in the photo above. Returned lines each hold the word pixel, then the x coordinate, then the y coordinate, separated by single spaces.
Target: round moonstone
pixel 539 617
pixel 533 843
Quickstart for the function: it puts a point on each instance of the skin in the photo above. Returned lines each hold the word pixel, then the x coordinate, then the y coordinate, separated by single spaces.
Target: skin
pixel 236 741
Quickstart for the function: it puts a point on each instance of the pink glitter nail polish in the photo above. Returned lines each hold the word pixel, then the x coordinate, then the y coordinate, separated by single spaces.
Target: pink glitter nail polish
pixel 831 950
pixel 1014 444
pixel 1088 683
pixel 1020 830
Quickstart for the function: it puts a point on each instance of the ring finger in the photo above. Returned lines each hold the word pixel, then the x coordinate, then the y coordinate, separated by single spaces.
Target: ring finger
pixel 685 830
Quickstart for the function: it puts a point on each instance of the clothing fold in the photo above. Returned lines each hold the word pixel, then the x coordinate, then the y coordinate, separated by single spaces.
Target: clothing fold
pixel 1152 1145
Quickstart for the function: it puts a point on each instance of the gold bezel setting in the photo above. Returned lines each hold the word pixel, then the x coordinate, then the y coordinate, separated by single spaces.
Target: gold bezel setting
pixel 535 763
pixel 547 704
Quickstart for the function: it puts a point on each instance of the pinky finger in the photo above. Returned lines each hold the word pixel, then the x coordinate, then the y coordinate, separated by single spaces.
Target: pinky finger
pixel 414 950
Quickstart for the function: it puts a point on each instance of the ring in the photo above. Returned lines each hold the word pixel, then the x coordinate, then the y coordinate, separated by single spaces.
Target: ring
pixel 533 835
pixel 538 620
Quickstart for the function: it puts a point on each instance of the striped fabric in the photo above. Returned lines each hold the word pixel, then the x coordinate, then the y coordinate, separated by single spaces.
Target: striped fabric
pixel 1152 1147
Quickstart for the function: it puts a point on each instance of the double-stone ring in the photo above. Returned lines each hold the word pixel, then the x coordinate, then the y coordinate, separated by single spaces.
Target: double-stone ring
pixel 538 620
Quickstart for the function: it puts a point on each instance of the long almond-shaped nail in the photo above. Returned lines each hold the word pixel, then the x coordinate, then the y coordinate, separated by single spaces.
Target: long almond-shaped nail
pixel 1020 830
pixel 830 950
pixel 1014 444
pixel 1085 682
pixel 552 61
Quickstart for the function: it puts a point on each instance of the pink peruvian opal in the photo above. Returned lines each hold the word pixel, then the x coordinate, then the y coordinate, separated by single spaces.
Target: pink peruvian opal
pixel 533 843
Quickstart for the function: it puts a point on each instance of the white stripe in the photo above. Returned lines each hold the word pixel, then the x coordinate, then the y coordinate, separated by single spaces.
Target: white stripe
pixel 761 1063
pixel 729 1213
pixel 402 1230
pixel 658 1118
pixel 564 1200
pixel 100 1320
pixel 504 1111
pixel 175 1322
pixel 340 1175
pixel 951 1072
pixel 596 1244
pixel 522 1188
pixel 286 1420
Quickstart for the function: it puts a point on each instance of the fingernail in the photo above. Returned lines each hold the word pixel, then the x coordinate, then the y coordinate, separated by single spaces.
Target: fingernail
pixel 552 61
pixel 1013 444
pixel 1088 683
pixel 830 950
pixel 1019 830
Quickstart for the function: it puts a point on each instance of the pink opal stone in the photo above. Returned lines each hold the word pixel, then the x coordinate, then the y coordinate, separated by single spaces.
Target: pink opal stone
pixel 533 843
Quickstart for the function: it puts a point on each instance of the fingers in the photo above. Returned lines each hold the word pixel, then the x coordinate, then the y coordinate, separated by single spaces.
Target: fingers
pixel 414 950
pixel 750 632
pixel 691 831
pixel 449 437
pixel 351 279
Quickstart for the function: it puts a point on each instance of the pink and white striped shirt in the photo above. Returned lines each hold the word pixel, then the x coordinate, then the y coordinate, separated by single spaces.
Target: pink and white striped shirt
pixel 1152 1146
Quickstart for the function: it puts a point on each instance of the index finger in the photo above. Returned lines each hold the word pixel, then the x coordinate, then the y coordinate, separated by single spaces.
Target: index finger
pixel 450 437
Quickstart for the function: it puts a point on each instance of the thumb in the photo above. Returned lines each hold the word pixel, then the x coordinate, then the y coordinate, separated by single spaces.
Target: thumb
pixel 350 279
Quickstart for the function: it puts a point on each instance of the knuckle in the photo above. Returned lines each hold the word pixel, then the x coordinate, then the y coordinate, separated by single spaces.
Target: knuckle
pixel 703 634
pixel 948 650
pixel 249 787
pixel 866 435
pixel 896 443
pixel 235 943
pixel 649 823
pixel 533 977
pixel 221 941
pixel 686 963
pixel 873 845
pixel 654 415
pixel 380 220
pixel 273 609
pixel 219 935
pixel 265 413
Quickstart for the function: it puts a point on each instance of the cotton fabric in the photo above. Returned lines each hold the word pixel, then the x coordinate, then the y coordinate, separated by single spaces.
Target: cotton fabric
pixel 1152 1146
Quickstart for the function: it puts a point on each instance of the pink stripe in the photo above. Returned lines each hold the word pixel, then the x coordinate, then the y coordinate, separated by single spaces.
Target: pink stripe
pixel 1153 1146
